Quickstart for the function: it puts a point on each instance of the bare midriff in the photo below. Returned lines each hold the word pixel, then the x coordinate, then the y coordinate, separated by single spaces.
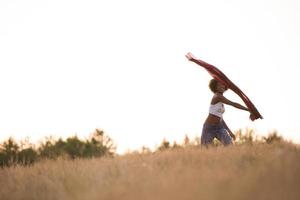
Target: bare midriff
pixel 212 119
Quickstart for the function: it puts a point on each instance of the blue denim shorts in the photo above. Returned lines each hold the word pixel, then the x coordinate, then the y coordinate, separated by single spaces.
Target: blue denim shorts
pixel 209 132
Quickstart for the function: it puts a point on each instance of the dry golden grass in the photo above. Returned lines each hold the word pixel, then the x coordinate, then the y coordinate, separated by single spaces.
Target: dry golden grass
pixel 237 172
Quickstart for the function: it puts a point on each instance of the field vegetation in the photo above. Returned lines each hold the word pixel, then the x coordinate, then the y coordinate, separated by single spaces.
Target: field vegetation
pixel 253 168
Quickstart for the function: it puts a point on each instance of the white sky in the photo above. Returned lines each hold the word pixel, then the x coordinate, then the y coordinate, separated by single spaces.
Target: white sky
pixel 70 66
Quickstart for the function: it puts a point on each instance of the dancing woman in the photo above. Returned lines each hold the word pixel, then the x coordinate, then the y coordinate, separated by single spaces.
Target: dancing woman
pixel 214 125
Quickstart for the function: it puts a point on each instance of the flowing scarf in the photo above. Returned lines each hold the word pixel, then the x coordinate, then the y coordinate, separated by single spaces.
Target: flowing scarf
pixel 221 77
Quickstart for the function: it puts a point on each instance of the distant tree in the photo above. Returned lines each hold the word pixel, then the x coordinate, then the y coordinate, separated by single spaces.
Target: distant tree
pixel 74 147
pixel 52 149
pixel 97 145
pixel 245 137
pixel 164 145
pixel 273 137
pixel 100 145
pixel 3 159
pixel 27 156
pixel 9 152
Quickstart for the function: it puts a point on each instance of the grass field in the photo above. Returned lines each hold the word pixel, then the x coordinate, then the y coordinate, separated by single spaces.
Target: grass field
pixel 243 172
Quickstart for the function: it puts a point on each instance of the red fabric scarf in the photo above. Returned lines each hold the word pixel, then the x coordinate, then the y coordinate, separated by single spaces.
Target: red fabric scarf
pixel 220 76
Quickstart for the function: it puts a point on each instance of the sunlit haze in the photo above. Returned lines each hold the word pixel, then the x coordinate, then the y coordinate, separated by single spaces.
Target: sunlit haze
pixel 68 67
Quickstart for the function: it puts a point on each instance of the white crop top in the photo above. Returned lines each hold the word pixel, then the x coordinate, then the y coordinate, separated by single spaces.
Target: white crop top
pixel 217 109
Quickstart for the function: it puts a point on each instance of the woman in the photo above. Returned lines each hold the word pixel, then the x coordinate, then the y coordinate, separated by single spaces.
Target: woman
pixel 215 126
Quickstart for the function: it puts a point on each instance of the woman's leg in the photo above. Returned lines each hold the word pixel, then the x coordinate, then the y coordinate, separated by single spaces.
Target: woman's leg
pixel 224 137
pixel 208 134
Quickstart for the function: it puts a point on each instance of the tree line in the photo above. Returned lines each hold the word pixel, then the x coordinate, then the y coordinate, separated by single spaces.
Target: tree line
pixel 99 144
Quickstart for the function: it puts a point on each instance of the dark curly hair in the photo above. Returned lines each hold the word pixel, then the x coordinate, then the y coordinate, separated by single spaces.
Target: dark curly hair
pixel 213 83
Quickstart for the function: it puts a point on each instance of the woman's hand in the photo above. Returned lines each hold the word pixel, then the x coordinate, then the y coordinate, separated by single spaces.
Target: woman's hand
pixel 252 117
pixel 190 56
